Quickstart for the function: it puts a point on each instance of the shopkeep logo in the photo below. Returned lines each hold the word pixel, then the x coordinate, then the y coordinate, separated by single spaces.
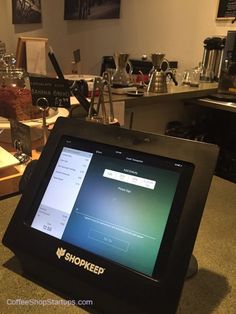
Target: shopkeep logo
pixel 60 252
pixel 80 262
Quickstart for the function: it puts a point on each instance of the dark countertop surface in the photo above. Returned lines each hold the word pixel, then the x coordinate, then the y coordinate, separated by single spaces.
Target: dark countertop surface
pixel 212 290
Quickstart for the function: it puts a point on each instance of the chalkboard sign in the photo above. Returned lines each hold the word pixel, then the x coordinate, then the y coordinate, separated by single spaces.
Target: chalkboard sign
pixel 226 9
pixel 54 92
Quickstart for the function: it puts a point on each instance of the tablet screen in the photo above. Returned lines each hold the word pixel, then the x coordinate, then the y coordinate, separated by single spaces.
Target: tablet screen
pixel 117 203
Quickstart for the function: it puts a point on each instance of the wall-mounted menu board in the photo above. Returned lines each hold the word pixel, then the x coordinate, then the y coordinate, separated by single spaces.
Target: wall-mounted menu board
pixel 226 9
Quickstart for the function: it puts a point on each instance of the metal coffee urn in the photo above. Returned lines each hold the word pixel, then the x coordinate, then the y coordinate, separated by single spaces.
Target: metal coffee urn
pixel 212 58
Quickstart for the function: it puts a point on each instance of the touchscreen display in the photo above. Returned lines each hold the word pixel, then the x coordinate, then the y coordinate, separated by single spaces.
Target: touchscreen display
pixel 110 201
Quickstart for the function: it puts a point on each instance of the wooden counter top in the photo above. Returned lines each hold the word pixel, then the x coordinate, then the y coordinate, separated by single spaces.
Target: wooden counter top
pixel 10 177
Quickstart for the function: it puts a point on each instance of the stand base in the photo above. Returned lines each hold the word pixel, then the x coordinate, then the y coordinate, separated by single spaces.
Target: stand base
pixel 192 268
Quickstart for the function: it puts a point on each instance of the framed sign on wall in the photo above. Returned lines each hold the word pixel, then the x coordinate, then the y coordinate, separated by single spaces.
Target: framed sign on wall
pixel 26 11
pixel 91 9
pixel 226 9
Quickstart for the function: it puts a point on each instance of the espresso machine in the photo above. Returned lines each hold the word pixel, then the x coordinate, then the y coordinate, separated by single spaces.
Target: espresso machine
pixel 227 81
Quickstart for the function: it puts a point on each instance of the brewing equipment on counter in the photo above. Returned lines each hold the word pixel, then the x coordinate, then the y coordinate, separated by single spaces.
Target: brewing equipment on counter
pixel 212 58
pixel 191 77
pixel 159 73
pixel 102 114
pixel 157 82
pixel 122 78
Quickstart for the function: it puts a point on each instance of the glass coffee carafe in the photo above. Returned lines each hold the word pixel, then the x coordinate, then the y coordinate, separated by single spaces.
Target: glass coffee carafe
pixel 122 78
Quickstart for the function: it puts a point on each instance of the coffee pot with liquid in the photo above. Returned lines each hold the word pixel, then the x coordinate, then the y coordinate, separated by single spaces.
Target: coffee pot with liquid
pixel 159 73
pixel 122 78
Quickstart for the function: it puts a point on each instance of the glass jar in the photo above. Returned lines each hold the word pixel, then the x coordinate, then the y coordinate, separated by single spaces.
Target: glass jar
pixel 15 94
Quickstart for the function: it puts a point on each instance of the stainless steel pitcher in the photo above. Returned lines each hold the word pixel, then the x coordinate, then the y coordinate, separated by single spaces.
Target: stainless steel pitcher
pixel 157 82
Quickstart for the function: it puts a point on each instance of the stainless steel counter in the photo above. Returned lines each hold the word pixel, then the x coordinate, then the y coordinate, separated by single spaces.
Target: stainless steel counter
pixel 152 112
pixel 217 104
pixel 174 93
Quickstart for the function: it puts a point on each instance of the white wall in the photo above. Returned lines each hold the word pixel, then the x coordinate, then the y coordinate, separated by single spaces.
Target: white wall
pixel 175 27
